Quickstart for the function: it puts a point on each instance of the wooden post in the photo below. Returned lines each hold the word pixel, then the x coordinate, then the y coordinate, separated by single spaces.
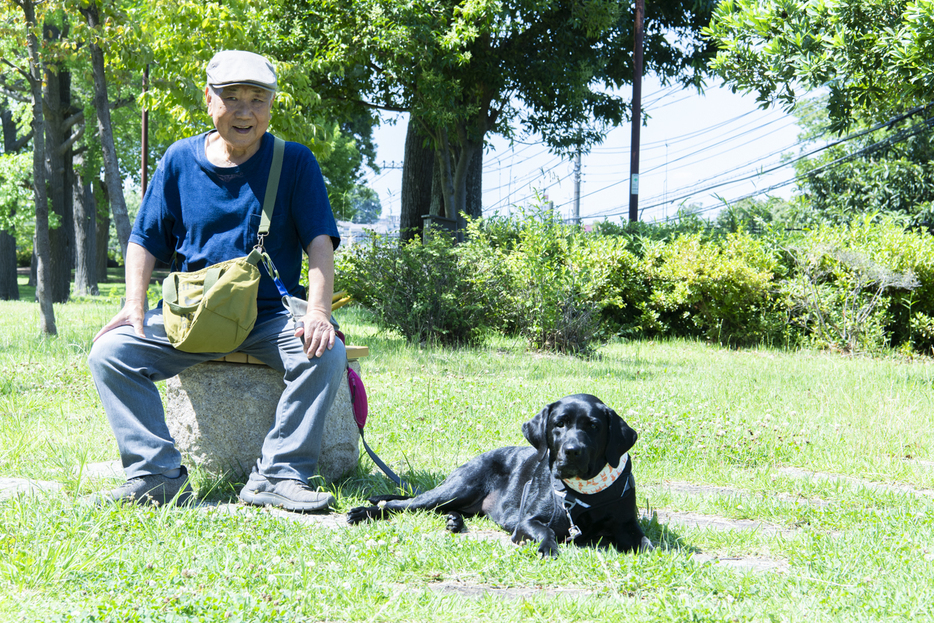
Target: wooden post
pixel 636 113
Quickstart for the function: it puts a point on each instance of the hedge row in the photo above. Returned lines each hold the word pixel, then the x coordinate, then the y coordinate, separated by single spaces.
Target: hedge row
pixel 865 286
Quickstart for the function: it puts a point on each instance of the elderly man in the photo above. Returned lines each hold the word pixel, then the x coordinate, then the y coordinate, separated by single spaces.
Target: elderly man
pixel 203 207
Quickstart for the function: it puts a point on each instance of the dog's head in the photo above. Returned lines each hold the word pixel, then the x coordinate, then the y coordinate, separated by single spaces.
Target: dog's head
pixel 581 436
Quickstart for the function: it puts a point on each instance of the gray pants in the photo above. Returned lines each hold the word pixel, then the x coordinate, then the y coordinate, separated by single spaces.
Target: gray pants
pixel 125 368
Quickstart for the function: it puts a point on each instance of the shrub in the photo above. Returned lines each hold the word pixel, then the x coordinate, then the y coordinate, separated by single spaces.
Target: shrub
pixel 721 290
pixel 548 299
pixel 421 289
pixel 862 286
pixel 612 280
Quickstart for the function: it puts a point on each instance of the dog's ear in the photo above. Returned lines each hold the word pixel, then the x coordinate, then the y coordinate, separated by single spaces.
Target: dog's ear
pixel 536 429
pixel 621 437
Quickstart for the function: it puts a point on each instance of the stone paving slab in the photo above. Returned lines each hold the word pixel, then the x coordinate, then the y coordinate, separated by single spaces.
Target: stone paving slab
pixel 689 488
pixel 11 487
pixel 880 487
pixel 105 469
pixel 686 519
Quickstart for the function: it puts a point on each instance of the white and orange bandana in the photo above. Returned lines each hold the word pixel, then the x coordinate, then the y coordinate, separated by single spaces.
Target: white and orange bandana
pixel 602 481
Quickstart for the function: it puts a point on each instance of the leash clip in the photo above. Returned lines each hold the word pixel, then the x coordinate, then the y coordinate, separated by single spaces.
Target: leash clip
pixel 573 530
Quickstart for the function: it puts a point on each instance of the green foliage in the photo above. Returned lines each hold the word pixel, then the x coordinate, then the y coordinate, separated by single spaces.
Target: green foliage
pixel 887 171
pixel 15 191
pixel 612 280
pixel 755 215
pixel 424 290
pixel 872 56
pixel 718 289
pixel 863 286
pixel 553 283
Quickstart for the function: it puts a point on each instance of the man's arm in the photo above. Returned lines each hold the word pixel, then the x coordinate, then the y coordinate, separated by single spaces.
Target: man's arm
pixel 139 266
pixel 316 324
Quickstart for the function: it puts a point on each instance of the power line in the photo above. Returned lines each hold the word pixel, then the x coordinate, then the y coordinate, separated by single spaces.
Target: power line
pixel 886 142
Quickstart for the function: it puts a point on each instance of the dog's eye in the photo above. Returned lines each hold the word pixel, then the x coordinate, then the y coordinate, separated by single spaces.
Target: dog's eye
pixel 560 424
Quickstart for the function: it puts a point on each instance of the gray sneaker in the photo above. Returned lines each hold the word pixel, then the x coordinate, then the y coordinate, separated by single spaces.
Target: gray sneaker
pixel 153 489
pixel 292 495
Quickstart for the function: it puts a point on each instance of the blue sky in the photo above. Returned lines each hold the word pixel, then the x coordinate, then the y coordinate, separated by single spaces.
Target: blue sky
pixel 697 149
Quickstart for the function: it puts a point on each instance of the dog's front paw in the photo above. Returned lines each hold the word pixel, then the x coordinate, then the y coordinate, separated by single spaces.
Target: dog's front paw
pixel 363 513
pixel 548 548
pixel 645 545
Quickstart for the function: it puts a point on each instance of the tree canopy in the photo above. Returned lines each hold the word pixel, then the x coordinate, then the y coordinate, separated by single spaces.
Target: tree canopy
pixel 464 69
pixel 73 61
pixel 875 58
pixel 887 168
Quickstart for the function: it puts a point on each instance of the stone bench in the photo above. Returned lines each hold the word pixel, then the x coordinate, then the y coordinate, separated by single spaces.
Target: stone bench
pixel 220 411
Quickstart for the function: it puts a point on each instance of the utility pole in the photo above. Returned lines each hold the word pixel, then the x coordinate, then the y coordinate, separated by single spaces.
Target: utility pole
pixel 636 113
pixel 577 187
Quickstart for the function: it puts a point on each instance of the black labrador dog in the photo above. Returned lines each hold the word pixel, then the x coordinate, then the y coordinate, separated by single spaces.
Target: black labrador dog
pixel 574 484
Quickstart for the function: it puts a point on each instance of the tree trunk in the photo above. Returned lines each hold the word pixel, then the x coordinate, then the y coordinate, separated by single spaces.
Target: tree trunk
pixel 43 279
pixel 417 167
pixel 437 188
pixel 59 176
pixel 12 143
pixel 457 163
pixel 85 238
pixel 474 188
pixel 103 241
pixel 9 286
pixel 111 165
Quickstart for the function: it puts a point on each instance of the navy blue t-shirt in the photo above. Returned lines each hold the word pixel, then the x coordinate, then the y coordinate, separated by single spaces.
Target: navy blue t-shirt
pixel 205 214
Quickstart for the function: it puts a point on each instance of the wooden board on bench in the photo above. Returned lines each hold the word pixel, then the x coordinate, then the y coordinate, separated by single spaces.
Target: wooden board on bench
pixel 353 353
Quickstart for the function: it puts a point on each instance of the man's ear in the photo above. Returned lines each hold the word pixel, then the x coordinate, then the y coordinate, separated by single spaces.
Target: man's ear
pixel 536 429
pixel 621 437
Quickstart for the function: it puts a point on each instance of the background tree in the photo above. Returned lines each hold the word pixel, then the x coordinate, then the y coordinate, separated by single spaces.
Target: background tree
pixel 15 204
pixel 873 57
pixel 463 70
pixel 14 186
pixel 884 169
pixel 339 136
pixel 81 47
pixel 28 36
pixel 96 32
pixel 366 205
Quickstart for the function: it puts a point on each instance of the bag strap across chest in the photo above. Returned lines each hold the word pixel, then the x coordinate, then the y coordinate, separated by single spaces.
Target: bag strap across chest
pixel 272 186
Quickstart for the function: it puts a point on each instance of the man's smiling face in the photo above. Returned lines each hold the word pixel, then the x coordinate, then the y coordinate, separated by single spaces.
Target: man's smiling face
pixel 241 115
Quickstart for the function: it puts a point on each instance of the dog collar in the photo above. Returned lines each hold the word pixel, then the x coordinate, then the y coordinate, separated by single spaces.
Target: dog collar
pixel 601 482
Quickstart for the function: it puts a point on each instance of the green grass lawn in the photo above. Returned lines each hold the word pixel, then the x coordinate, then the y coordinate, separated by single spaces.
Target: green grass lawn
pixel 831 458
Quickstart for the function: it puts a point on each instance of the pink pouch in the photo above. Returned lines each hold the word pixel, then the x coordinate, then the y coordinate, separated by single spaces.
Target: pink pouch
pixel 357 397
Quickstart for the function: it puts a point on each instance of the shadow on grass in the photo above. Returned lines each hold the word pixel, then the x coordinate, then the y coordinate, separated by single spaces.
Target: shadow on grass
pixel 362 484
pixel 355 487
pixel 664 537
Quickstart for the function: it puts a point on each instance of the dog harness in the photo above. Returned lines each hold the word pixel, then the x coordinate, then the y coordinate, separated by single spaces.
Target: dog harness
pixel 605 488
